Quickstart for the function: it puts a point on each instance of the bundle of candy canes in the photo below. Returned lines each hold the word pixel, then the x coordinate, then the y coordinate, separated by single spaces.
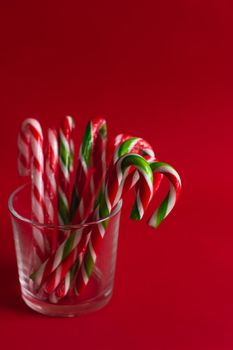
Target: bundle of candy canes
pixel 64 260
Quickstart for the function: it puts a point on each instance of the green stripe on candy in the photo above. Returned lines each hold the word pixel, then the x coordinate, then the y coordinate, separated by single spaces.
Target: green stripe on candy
pixel 87 145
pixel 71 159
pixel 125 147
pixel 63 210
pixel 103 212
pixel 68 246
pixel 156 165
pixel 138 162
pixel 162 210
pixel 88 262
pixel 103 131
pixel 63 154
pixel 86 150
pixel 135 215
pixel 103 209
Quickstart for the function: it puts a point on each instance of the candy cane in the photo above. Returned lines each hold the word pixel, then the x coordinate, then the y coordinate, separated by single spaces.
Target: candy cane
pixel 65 156
pixel 71 162
pixel 65 286
pixel 108 201
pixel 170 200
pixel 125 144
pixel 159 169
pixel 90 170
pixel 51 169
pixel 76 239
pixel 31 160
pixel 92 156
pixel 130 144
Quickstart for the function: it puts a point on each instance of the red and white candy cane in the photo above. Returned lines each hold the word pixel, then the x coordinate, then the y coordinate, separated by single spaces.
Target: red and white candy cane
pixel 77 239
pixel 108 201
pixel 65 286
pixel 90 170
pixel 31 160
pixel 124 144
pixel 170 200
pixel 51 170
pixel 130 144
pixel 65 156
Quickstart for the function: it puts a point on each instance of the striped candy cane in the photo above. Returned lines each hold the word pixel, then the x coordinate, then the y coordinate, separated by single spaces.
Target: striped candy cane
pixel 92 156
pixel 125 144
pixel 71 162
pixel 51 169
pixel 76 239
pixel 90 170
pixel 31 160
pixel 158 169
pixel 109 200
pixel 130 144
pixel 170 200
pixel 64 287
pixel 65 156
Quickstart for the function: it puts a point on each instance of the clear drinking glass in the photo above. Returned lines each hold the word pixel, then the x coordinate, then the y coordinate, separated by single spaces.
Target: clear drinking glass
pixel 99 289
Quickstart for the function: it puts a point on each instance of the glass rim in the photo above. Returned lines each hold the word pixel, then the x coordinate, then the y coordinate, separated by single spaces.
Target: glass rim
pixel 22 218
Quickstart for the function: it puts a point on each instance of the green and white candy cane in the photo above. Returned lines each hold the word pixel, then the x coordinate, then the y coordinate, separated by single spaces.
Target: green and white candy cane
pixel 108 201
pixel 65 156
pixel 92 153
pixel 171 198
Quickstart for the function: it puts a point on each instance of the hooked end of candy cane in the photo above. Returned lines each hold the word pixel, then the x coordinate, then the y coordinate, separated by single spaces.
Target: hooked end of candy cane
pixel 154 221
pixel 160 214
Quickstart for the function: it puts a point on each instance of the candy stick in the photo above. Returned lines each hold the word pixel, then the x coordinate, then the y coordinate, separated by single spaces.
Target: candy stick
pixel 76 238
pixel 137 144
pixel 71 162
pixel 83 166
pixel 31 160
pixel 91 156
pixel 159 170
pixel 65 155
pixel 130 144
pixel 108 201
pixel 86 151
pixel 51 168
pixel 98 163
pixel 65 286
pixel 169 202
pixel 60 272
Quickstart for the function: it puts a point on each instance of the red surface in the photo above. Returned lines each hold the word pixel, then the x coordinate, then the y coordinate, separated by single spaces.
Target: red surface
pixel 161 70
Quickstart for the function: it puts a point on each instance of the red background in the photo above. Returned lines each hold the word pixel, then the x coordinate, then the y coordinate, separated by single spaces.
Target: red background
pixel 161 70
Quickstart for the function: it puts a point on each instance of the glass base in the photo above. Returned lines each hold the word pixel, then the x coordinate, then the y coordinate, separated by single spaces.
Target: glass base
pixel 93 299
